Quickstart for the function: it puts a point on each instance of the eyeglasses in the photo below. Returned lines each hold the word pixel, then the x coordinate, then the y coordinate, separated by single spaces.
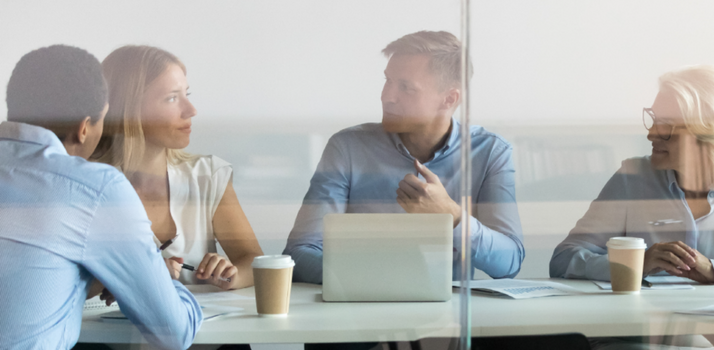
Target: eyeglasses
pixel 663 129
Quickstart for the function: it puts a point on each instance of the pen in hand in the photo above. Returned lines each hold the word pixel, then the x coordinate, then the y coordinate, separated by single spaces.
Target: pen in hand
pixel 187 266
pixel 191 268
pixel 167 243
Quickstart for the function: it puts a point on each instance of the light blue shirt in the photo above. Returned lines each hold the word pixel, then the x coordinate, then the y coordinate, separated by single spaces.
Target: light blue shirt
pixel 638 201
pixel 360 172
pixel 65 221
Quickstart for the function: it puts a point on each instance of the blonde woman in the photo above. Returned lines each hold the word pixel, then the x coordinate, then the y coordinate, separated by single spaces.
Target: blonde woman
pixel 188 198
pixel 665 198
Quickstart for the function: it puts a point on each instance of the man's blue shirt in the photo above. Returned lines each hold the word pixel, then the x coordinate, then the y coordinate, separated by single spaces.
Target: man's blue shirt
pixel 360 172
pixel 64 222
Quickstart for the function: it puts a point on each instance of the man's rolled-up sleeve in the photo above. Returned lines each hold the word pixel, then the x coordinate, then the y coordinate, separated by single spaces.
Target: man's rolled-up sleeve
pixel 495 226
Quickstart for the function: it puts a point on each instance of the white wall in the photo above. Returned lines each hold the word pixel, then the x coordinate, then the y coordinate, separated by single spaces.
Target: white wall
pixel 293 61
pixel 315 61
pixel 562 61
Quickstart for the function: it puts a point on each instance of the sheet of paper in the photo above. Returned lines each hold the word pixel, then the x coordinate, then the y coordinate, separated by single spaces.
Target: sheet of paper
pixel 670 280
pixel 217 297
pixel 655 286
pixel 98 304
pixel 210 312
pixel 521 289
pixel 210 306
pixel 705 311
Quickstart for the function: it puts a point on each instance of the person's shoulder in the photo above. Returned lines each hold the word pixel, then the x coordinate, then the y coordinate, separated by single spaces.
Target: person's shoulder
pixel 361 130
pixel 203 164
pixel 638 179
pixel 93 175
pixel 358 136
pixel 481 137
pixel 636 165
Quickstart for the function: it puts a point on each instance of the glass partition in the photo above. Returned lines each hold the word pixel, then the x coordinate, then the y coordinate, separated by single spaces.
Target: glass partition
pixel 286 100
pixel 564 84
pixel 538 131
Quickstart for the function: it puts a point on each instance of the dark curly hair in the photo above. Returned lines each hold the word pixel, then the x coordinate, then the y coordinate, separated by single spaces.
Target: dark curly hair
pixel 56 87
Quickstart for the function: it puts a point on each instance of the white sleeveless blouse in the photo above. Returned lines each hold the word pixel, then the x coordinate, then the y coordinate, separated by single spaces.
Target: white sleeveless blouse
pixel 195 190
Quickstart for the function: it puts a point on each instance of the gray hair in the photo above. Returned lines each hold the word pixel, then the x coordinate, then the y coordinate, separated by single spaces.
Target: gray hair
pixel 693 87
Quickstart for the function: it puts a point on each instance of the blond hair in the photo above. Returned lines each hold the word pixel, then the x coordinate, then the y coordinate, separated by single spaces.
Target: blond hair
pixel 128 71
pixel 693 87
pixel 443 48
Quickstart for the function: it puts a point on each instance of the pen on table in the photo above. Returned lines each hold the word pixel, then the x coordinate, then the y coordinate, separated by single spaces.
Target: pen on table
pixel 646 283
pixel 187 266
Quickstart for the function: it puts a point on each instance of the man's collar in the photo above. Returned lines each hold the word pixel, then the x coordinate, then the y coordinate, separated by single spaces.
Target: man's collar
pixel 32 134
pixel 452 140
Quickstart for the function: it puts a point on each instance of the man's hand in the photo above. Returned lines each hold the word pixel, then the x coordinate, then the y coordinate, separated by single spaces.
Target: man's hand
pixel 174 265
pixel 678 259
pixel 218 271
pixel 95 289
pixel 416 196
pixel 107 297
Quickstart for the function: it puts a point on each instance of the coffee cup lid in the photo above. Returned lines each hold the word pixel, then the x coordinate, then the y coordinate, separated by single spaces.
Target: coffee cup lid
pixel 626 243
pixel 273 262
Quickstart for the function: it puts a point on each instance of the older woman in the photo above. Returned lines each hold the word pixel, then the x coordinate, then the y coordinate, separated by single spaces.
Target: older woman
pixel 188 198
pixel 665 198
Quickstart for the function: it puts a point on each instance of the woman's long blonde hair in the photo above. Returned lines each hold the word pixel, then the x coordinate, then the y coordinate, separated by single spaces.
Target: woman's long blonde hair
pixel 128 71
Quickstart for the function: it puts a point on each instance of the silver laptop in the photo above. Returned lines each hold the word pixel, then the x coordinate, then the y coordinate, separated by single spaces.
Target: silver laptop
pixel 387 257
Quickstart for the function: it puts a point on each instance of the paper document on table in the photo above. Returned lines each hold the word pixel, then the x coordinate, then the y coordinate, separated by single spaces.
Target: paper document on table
pixel 655 286
pixel 217 297
pixel 98 304
pixel 209 306
pixel 705 311
pixel 210 312
pixel 521 289
pixel 670 280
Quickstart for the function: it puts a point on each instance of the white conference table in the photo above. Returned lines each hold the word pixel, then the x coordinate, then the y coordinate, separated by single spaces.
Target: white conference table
pixel 313 321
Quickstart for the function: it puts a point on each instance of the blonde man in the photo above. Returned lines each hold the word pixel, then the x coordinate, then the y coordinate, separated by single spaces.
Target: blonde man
pixel 410 163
